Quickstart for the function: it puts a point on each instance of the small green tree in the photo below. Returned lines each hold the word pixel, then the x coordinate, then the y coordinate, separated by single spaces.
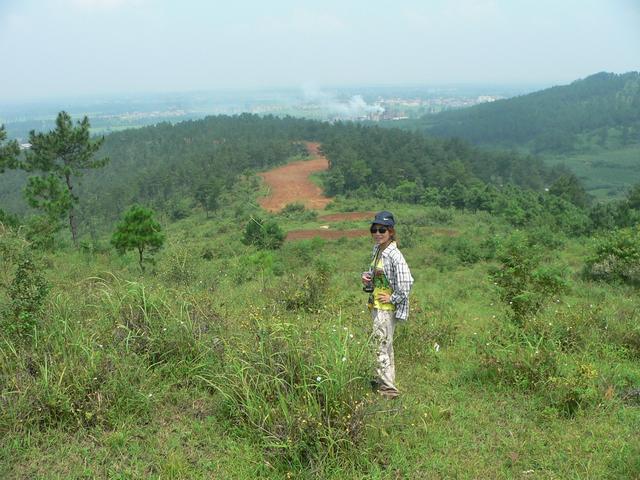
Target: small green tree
pixel 138 230
pixel 207 194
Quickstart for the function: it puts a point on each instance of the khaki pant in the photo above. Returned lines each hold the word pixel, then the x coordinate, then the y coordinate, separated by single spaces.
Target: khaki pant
pixel 384 322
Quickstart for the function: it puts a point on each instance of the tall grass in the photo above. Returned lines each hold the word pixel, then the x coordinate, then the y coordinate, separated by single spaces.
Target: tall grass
pixel 304 396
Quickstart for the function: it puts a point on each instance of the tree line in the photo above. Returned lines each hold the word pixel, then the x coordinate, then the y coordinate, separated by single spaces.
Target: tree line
pixel 87 182
pixel 600 108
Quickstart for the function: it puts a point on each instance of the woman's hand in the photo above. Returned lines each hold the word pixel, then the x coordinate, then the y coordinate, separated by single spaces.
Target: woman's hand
pixel 366 278
pixel 384 297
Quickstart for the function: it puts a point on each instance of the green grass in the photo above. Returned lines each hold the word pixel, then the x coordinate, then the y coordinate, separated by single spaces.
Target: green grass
pixel 607 174
pixel 202 368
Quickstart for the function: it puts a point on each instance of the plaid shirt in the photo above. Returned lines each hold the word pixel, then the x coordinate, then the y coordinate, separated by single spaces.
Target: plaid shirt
pixel 399 276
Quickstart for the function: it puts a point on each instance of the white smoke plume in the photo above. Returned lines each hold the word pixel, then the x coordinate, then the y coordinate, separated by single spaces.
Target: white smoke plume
pixel 355 107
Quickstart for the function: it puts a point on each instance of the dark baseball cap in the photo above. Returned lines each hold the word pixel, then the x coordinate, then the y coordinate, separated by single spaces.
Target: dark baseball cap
pixel 384 218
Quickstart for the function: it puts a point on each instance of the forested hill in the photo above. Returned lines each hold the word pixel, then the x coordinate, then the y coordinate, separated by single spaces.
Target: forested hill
pixel 175 168
pixel 603 109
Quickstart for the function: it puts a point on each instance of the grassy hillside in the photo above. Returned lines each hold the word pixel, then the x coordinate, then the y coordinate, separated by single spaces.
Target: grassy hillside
pixel 607 174
pixel 551 120
pixel 591 125
pixel 223 361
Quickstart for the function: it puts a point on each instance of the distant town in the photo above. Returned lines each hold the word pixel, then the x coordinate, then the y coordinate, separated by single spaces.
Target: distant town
pixel 110 114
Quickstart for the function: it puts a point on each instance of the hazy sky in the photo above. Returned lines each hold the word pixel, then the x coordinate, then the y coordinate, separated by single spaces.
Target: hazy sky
pixel 52 48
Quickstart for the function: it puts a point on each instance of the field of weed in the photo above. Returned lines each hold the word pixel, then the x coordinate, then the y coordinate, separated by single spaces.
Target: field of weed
pixel 224 361
pixel 607 174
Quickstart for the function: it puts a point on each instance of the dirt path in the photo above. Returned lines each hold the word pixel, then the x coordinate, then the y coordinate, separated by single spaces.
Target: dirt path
pixel 290 183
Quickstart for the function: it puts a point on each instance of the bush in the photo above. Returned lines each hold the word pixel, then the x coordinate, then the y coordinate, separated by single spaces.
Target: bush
pixel 546 237
pixel 522 282
pixel 297 211
pixel 573 389
pixel 41 231
pixel 257 264
pixel 408 236
pixel 179 264
pixel 9 219
pixel 467 251
pixel 616 257
pixel 27 294
pixel 263 234
pixel 12 244
pixel 307 292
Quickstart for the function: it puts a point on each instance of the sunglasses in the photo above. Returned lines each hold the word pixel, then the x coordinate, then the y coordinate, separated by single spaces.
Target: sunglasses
pixel 378 230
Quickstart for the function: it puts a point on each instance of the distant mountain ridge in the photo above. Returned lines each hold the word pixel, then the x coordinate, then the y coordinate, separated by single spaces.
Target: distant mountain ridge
pixel 602 109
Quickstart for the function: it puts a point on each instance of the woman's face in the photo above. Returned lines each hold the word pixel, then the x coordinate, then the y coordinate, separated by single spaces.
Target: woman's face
pixel 380 234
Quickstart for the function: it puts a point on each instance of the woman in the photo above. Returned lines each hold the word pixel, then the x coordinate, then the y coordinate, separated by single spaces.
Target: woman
pixel 389 282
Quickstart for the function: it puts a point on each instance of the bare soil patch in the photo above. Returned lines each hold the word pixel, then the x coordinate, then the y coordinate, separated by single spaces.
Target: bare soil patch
pixel 290 183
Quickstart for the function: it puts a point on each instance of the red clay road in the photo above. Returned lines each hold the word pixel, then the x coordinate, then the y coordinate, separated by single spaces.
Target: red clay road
pixel 290 183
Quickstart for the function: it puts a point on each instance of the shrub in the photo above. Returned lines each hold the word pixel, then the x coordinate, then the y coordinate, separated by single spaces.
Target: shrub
pixel 545 236
pixel 11 247
pixel 467 251
pixel 27 294
pixel 263 234
pixel 179 209
pixel 302 253
pixel 573 389
pixel 8 219
pixel 257 264
pixel 41 231
pixel 297 211
pixel 179 264
pixel 441 216
pixel 408 236
pixel 522 282
pixel 307 292
pixel 616 257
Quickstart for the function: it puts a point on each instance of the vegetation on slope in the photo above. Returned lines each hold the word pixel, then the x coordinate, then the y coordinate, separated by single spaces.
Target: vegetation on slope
pixel 603 109
pixel 227 360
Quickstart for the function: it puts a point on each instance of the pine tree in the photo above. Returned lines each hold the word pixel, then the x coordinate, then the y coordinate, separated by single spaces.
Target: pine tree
pixel 138 231
pixel 60 157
